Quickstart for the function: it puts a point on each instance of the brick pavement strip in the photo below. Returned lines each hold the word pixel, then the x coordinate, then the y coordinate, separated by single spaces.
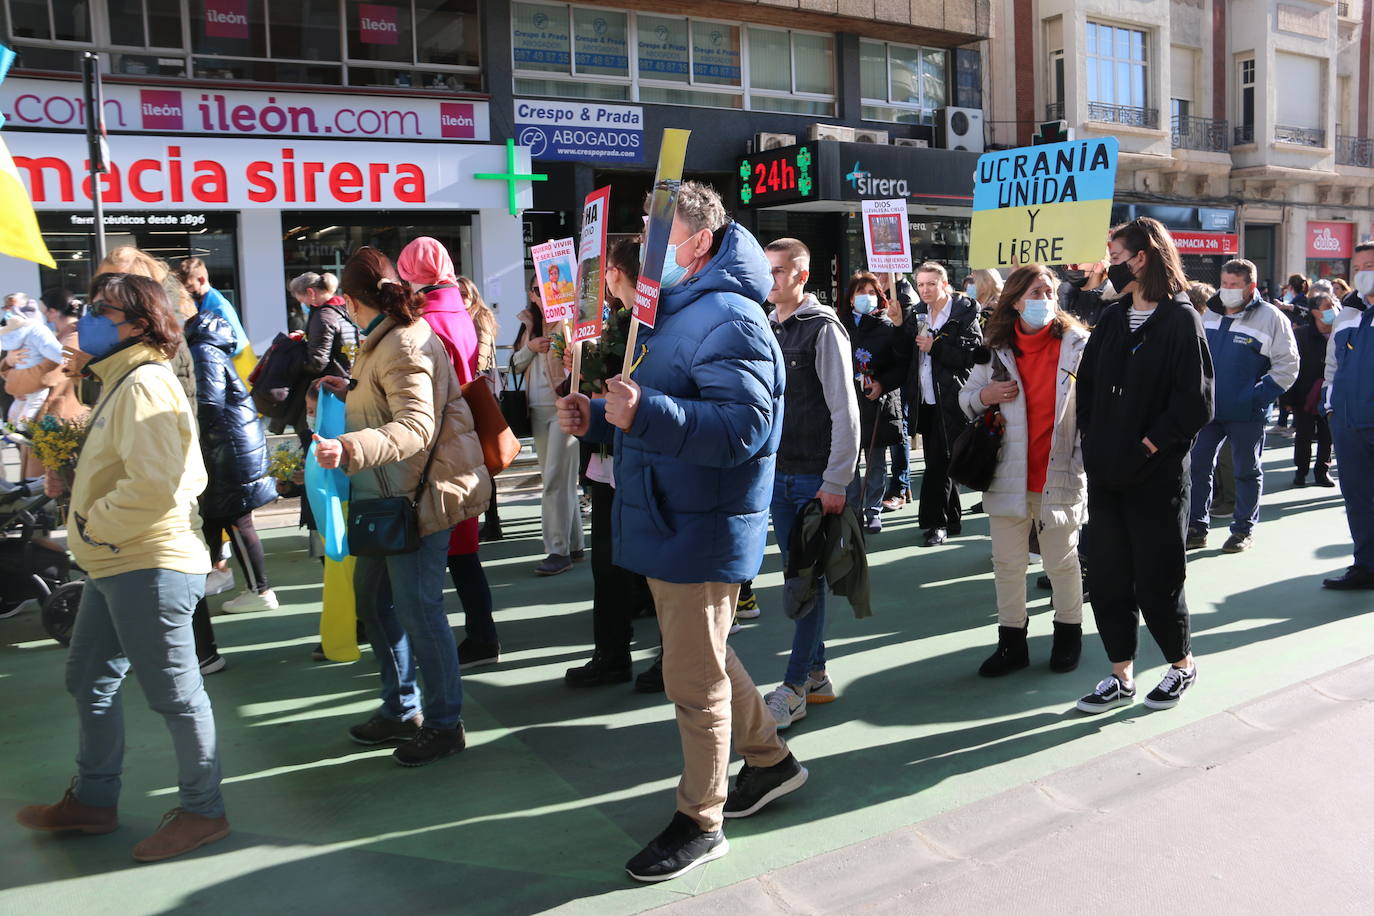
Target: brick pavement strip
pixel 1164 819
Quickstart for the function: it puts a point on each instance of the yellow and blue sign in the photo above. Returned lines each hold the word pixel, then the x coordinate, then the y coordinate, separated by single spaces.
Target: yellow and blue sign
pixel 1048 204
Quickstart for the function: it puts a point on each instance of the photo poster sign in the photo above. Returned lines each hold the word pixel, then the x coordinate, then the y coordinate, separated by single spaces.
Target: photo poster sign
pixel 555 267
pixel 1049 204
pixel 887 243
pixel 591 269
pixel 662 206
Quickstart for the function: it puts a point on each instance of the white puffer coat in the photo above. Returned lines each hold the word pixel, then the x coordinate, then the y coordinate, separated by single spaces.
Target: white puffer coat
pixel 1065 496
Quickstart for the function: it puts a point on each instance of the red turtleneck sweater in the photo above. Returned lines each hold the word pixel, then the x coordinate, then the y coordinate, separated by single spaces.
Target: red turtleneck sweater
pixel 1038 365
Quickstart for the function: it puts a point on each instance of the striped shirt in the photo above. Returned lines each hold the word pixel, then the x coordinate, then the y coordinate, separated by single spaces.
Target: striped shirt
pixel 1138 317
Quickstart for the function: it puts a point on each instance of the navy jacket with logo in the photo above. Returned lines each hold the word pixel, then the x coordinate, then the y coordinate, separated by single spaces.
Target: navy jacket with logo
pixel 1254 356
pixel 1349 391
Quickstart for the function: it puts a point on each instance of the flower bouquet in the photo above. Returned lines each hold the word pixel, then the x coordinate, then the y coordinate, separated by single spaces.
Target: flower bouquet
pixel 286 462
pixel 57 443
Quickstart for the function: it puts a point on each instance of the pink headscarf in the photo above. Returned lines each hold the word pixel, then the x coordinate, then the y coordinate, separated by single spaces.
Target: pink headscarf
pixel 425 262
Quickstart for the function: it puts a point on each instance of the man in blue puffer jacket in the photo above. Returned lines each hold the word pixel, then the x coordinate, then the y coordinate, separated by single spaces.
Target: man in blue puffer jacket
pixel 695 434
pixel 1348 399
pixel 1255 357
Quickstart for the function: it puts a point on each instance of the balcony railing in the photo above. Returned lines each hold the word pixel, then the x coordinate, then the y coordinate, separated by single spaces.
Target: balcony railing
pixel 1054 111
pixel 1125 115
pixel 1205 134
pixel 1245 133
pixel 1358 151
pixel 1343 10
pixel 1302 136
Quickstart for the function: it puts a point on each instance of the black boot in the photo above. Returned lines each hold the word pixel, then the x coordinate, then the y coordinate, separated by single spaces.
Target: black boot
pixel 1067 648
pixel 1323 477
pixel 1011 653
pixel 602 669
pixel 650 680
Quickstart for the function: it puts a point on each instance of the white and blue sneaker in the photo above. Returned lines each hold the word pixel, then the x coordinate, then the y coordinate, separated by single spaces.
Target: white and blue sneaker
pixel 1170 689
pixel 1110 693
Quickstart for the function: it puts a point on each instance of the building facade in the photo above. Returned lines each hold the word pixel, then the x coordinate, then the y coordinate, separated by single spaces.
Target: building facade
pixel 273 136
pixel 1245 125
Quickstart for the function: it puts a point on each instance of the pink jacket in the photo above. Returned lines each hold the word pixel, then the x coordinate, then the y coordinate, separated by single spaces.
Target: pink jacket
pixel 448 316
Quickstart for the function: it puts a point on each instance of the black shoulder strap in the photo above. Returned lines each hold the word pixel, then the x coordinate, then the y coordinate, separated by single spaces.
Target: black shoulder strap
pixel 106 396
pixel 438 433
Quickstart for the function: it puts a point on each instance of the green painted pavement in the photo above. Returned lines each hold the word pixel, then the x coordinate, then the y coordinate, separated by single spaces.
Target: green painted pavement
pixel 559 787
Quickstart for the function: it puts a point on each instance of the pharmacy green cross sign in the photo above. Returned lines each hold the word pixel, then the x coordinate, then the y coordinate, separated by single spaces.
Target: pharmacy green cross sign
pixel 510 176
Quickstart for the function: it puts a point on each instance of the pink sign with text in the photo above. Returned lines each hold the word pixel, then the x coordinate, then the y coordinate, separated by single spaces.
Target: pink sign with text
pixel 226 18
pixel 378 24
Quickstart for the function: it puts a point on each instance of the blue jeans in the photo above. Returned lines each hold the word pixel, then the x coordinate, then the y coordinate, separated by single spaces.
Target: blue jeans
pixel 1247 446
pixel 899 457
pixel 401 604
pixel 866 491
pixel 790 493
pixel 142 620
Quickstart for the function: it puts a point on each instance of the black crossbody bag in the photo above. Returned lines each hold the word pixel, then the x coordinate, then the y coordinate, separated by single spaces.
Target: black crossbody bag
pixel 390 525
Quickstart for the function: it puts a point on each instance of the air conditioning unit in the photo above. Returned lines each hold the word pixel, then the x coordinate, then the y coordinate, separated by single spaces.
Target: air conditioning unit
pixel 831 132
pixel 863 135
pixel 959 128
pixel 767 141
pixel 916 142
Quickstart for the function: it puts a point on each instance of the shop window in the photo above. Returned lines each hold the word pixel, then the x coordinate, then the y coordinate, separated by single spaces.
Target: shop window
pixel 664 55
pixel 902 83
pixel 304 29
pixel 600 42
pixel 442 81
pixel 798 66
pixel 146 65
pixel 53 20
pixel 415 37
pixel 569 90
pixel 448 33
pixel 145 23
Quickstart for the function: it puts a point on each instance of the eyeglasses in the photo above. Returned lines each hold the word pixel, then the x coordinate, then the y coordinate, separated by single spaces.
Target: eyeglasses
pixel 100 307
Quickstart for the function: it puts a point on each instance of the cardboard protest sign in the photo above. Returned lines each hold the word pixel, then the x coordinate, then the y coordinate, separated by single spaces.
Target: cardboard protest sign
pixel 554 267
pixel 662 206
pixel 591 269
pixel 1048 204
pixel 886 239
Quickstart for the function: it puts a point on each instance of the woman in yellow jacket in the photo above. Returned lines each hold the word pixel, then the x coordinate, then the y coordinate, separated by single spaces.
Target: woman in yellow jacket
pixel 403 404
pixel 134 527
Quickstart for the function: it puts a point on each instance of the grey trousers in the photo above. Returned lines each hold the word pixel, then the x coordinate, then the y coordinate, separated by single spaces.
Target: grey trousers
pixel 558 459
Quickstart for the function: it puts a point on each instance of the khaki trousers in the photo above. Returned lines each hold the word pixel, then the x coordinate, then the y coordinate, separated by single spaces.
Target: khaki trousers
pixel 1011 557
pixel 714 695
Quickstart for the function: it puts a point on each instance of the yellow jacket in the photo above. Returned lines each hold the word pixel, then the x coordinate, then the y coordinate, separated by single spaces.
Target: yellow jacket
pixel 140 471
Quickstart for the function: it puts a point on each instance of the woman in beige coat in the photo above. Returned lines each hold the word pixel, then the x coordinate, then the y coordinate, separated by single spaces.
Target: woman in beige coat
pixel 1031 379
pixel 62 310
pixel 404 401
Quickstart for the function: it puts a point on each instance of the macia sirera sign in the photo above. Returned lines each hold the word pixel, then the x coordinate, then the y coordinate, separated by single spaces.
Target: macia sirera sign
pixel 577 132
pixel 1048 204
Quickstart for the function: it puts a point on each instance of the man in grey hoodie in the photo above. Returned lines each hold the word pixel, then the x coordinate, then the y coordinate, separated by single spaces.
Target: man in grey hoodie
pixel 818 453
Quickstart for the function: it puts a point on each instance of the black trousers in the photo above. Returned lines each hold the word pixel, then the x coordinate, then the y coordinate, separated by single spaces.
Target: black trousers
pixel 1309 426
pixel 617 594
pixel 1137 561
pixel 940 506
pixel 244 542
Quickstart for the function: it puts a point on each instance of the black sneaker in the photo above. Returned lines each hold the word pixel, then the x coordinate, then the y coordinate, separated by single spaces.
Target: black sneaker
pixel 474 653
pixel 1238 543
pixel 429 745
pixel 1300 479
pixel 381 730
pixel 681 847
pixel 1197 539
pixel 1108 694
pixel 1170 689
pixel 757 786
pixel 598 671
pixel 650 680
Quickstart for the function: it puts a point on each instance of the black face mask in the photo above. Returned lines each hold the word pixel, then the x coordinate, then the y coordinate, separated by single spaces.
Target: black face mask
pixel 1120 276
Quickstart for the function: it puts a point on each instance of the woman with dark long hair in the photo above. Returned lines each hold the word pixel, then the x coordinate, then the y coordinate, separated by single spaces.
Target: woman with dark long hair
pixel 1144 392
pixel 136 532
pixel 1039 485
pixel 410 434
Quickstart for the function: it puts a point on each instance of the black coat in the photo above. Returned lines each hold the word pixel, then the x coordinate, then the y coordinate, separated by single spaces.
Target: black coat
pixel 231 438
pixel 951 360
pixel 1155 383
pixel 1311 367
pixel 882 352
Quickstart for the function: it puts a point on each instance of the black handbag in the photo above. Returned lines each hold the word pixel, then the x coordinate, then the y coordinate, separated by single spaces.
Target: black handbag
pixel 515 407
pixel 973 455
pixel 389 525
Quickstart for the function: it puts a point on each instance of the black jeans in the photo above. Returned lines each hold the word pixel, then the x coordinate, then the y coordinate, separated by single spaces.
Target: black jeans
pixel 203 632
pixel 1137 561
pixel 1309 426
pixel 617 593
pixel 243 539
pixel 474 593
pixel 940 506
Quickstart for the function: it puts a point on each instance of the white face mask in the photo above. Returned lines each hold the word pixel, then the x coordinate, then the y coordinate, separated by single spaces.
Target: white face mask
pixel 1364 282
pixel 1037 313
pixel 1232 298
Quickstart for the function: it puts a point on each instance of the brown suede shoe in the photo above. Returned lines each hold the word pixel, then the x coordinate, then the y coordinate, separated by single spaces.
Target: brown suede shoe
pixel 69 814
pixel 180 832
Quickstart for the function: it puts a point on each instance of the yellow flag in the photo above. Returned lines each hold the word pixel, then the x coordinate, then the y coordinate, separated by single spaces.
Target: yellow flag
pixel 19 235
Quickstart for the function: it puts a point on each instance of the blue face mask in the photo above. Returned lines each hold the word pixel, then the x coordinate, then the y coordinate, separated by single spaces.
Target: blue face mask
pixel 1328 315
pixel 97 335
pixel 865 303
pixel 673 272
pixel 1037 313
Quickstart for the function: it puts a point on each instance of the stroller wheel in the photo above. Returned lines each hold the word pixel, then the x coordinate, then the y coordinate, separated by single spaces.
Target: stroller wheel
pixel 59 611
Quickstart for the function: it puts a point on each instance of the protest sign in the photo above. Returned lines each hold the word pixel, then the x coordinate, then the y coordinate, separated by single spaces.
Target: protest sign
pixel 886 239
pixel 591 269
pixel 553 266
pixel 662 205
pixel 1048 204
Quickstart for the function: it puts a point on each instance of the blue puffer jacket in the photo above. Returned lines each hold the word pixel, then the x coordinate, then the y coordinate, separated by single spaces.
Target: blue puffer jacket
pixel 1255 356
pixel 694 475
pixel 231 437
pixel 1349 390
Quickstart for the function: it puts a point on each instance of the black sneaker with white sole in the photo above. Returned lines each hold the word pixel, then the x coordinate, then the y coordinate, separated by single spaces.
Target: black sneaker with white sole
pixel 381 730
pixel 1109 693
pixel 1170 689
pixel 429 745
pixel 681 847
pixel 755 787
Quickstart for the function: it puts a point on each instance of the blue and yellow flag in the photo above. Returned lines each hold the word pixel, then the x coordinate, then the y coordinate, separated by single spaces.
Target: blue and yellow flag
pixel 19 235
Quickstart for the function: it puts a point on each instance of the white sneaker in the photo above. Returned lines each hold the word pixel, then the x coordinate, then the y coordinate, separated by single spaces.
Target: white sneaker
pixel 785 705
pixel 819 689
pixel 218 582
pixel 249 601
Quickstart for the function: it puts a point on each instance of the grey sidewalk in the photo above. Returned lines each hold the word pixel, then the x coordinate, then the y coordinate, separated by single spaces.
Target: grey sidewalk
pixel 1265 808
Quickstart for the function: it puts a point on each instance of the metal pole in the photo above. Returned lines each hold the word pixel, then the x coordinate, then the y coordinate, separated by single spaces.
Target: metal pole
pixel 95 147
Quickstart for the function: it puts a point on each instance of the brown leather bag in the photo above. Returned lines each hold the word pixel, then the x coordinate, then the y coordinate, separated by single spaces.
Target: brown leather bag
pixel 499 445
